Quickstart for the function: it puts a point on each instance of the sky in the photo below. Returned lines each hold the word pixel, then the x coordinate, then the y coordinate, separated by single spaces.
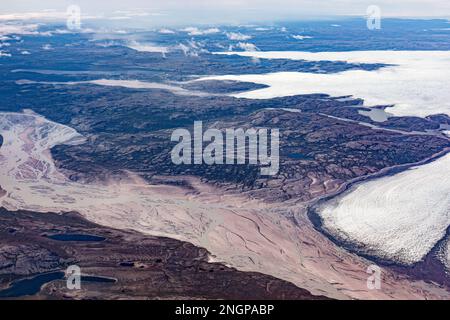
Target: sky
pixel 167 12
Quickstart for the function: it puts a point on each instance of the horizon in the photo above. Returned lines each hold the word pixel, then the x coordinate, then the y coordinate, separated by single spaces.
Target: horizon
pixel 175 13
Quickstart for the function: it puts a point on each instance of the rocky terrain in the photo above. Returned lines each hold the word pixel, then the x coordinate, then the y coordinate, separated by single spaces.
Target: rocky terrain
pixel 320 147
pixel 145 267
pixel 177 231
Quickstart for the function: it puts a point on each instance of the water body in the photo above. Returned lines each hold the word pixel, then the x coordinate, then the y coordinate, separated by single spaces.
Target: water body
pixel 377 115
pixel 32 286
pixel 299 156
pixel 76 237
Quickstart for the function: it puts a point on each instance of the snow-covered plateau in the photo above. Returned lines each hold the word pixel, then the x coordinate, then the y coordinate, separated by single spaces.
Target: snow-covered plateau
pixel 414 82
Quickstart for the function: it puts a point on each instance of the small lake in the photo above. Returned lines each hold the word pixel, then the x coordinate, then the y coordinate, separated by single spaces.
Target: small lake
pixel 27 287
pixel 76 237
pixel 31 286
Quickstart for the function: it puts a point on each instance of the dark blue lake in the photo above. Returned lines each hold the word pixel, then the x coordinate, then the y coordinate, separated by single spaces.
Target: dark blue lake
pixel 76 237
pixel 31 286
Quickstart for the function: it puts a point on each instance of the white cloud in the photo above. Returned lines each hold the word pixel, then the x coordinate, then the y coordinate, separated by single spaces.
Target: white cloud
pixel 120 18
pixel 5 54
pixel 233 11
pixel 246 46
pixel 237 36
pixel 129 13
pixel 82 30
pixel 166 31
pixel 41 15
pixel 194 31
pixel 8 28
pixel 186 49
pixel 192 48
pixel 22 28
pixel 300 37
pixel 147 47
